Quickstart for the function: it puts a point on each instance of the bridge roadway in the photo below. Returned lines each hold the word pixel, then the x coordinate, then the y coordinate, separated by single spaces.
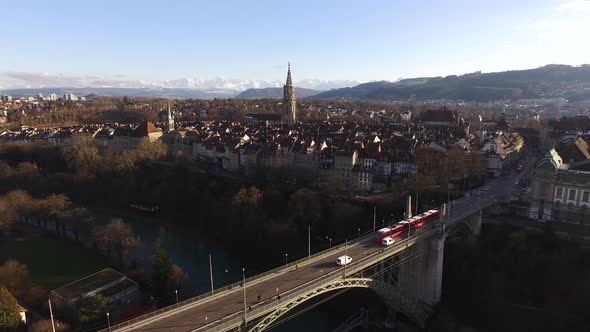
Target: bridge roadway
pixel 220 311
pixel 228 307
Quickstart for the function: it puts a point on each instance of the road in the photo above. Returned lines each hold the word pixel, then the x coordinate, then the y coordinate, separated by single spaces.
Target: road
pixel 229 305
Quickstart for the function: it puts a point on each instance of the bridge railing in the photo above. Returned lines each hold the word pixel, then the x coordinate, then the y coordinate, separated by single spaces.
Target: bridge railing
pixel 236 285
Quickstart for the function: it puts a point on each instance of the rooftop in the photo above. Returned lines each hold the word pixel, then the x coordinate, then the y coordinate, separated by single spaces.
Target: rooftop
pixel 106 282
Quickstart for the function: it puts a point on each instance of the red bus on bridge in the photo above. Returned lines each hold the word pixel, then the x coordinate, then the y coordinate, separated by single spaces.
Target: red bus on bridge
pixel 387 235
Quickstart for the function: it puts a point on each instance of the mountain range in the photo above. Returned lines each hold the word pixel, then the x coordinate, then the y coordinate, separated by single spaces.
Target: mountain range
pixel 27 84
pixel 156 92
pixel 275 93
pixel 551 81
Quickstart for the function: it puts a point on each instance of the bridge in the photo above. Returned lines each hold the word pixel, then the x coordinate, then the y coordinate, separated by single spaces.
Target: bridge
pixel 406 275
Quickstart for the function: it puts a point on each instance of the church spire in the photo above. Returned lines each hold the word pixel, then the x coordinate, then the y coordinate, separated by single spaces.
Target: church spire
pixel 289 81
pixel 290 112
pixel 170 119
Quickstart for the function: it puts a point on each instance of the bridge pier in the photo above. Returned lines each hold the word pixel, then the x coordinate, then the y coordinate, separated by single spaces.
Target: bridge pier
pixel 474 222
pixel 391 319
pixel 421 276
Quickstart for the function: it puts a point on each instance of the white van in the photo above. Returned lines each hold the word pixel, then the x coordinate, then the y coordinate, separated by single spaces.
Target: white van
pixel 343 260
pixel 387 241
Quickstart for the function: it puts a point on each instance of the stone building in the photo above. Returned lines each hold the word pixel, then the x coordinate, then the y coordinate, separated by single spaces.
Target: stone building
pixel 560 191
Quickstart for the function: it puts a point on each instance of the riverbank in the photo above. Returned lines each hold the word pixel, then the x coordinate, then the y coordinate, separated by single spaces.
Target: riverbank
pixel 52 262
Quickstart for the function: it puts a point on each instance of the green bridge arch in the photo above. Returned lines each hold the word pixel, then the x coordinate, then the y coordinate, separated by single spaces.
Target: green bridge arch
pixel 393 297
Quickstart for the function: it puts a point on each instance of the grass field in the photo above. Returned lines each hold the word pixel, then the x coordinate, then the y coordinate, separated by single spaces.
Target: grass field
pixel 52 262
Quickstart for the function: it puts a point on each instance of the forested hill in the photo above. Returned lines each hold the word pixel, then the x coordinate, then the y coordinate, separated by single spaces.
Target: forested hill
pixel 551 81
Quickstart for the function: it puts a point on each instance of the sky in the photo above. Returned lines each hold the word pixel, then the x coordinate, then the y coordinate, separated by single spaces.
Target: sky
pixel 100 41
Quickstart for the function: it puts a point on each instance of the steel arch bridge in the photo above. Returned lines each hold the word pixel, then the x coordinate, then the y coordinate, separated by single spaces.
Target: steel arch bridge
pixel 393 297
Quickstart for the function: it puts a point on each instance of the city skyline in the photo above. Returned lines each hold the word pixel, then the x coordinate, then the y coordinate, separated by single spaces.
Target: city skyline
pixel 187 44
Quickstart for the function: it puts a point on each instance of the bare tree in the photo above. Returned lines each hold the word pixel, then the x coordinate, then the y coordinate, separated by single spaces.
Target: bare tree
pixel 148 150
pixel 14 276
pixel 55 206
pixel 15 203
pixel 117 236
pixel 82 156
pixel 179 280
pixel 7 214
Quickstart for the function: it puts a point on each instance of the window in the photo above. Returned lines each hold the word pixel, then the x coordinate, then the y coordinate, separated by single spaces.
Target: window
pixel 559 192
pixel 586 196
pixel 572 195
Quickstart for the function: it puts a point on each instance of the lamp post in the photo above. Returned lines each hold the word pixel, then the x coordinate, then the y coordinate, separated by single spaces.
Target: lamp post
pixel 345 256
pixel 51 315
pixel 308 241
pixel 286 258
pixel 330 239
pixel 359 232
pixel 109 321
pixel 176 293
pixel 211 273
pixel 277 296
pixel 374 217
pixel 244 284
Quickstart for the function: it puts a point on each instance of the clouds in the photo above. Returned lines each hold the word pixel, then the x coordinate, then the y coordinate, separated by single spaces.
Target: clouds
pixel 38 80
pixel 43 80
pixel 558 35
pixel 574 5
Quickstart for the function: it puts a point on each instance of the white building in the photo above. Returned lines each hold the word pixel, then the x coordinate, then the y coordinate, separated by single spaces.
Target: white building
pixel 70 96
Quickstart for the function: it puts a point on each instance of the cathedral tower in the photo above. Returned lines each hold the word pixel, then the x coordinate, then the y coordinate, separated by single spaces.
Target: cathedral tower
pixel 170 120
pixel 289 115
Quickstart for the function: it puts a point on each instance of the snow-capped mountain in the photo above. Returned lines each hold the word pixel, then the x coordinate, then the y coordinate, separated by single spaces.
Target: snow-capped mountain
pixel 12 80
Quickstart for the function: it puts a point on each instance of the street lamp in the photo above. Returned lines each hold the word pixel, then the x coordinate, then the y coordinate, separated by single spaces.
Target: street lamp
pixel 309 241
pixel 345 256
pixel 359 232
pixel 109 321
pixel 277 296
pixel 211 273
pixel 286 255
pixel 244 284
pixel 330 239
pixel 176 293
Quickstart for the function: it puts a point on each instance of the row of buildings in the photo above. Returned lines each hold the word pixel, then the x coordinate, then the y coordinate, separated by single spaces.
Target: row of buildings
pixel 365 157
pixel 40 97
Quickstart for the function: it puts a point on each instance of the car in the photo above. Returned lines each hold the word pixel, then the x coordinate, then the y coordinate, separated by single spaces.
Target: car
pixel 387 241
pixel 343 260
